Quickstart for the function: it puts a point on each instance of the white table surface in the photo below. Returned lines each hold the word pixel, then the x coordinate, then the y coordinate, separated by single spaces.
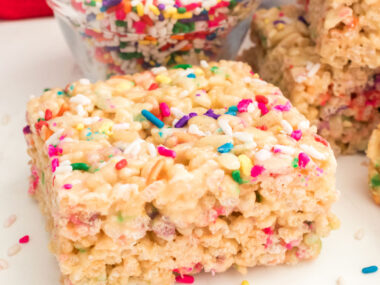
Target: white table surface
pixel 33 56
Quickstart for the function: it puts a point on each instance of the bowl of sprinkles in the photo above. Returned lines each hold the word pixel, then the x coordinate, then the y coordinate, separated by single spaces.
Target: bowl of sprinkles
pixel 109 37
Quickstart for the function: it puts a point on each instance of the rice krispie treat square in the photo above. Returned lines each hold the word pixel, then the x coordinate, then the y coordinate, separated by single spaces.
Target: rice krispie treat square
pixel 346 31
pixel 373 154
pixel 154 177
pixel 343 103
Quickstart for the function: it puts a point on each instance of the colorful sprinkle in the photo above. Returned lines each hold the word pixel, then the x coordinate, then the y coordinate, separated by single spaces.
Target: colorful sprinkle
pixel 375 180
pixel 183 121
pixel 210 113
pixel 263 108
pixel 242 106
pixel 237 177
pixel 225 148
pixel 185 279
pixel 246 164
pixel 121 164
pixel 54 164
pixel 297 134
pixel 257 170
pixel 48 115
pixel 152 118
pixel 370 269
pixel 166 152
pixel 80 166
pixel 245 282
pixel 165 110
pixel 67 186
pixel 24 239
pixel 303 159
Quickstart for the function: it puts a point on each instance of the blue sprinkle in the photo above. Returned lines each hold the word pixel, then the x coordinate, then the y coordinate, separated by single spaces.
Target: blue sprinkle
pixel 370 269
pixel 160 134
pixel 225 147
pixel 191 75
pixel 152 118
pixel 232 111
pixel 59 93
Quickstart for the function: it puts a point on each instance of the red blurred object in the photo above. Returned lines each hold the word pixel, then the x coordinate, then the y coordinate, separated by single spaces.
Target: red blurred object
pixel 22 9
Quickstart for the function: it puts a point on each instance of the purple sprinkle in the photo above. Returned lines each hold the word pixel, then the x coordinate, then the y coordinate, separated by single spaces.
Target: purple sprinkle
pixel 198 95
pixel 210 113
pixel 279 22
pixel 26 130
pixel 303 20
pixel 182 122
pixel 161 17
pixel 192 115
pixel 110 3
pixel 161 6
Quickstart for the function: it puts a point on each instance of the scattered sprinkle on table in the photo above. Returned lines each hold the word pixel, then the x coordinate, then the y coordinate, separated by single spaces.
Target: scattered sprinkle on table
pixel 359 234
pixel 370 269
pixel 10 221
pixel 14 249
pixel 24 239
pixel 340 281
pixel 3 264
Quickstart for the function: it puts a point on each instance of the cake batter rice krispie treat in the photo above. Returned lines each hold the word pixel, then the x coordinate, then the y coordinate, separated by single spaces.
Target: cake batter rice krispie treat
pixel 154 177
pixel 373 154
pixel 343 103
pixel 346 31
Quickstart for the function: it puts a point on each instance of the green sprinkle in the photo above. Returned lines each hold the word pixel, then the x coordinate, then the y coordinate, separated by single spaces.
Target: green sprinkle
pixel 215 69
pixel 120 217
pixel 181 10
pixel 295 162
pixel 40 119
pixel 120 23
pixel 232 4
pixel 111 155
pixel 46 89
pixel 82 250
pixel 237 177
pixel 375 180
pixel 259 198
pixel 43 178
pixel 139 118
pixel 130 55
pixel 80 166
pixel 183 66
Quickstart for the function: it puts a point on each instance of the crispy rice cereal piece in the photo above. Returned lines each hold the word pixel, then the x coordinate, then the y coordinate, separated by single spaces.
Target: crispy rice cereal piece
pixel 346 31
pixel 234 177
pixel 343 103
pixel 373 154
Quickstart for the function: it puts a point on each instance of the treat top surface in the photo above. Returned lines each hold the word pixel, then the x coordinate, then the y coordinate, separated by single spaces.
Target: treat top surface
pixel 179 126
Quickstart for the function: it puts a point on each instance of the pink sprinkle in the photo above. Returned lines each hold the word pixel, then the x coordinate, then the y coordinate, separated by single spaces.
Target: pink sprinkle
pixel 257 170
pixel 24 239
pixel 283 108
pixel 243 105
pixel 35 178
pixel 54 164
pixel 269 242
pixel 68 186
pixel 297 134
pixel 54 150
pixel 275 150
pixel 165 110
pixel 10 221
pixel 186 279
pixel 303 159
pixel 268 231
pixel 166 152
pixel 139 27
pixel 120 14
pixel 62 137
pixel 263 108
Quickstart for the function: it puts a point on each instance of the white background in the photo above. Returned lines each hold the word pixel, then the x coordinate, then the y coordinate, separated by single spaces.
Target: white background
pixel 33 56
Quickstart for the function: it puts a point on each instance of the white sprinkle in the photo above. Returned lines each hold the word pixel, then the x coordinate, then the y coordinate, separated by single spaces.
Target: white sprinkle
pixel 204 64
pixel 122 126
pixel 84 81
pixel 90 120
pixel 80 110
pixel 14 249
pixel 80 99
pixel 64 167
pixel 54 138
pixel 313 69
pixel 177 112
pixel 359 234
pixel 303 125
pixel 251 107
pixel 41 114
pixel 157 70
pixel 183 94
pixel 285 149
pixel 152 149
pixel 194 129
pixel 310 150
pixel 134 147
pixel 223 124
pixel 3 264
pixel 244 137
pixel 10 221
pixel 247 79
pixel 286 126
pixel 263 155
pixel 340 281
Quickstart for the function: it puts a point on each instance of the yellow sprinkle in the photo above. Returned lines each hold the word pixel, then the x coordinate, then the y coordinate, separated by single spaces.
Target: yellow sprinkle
pixel 246 164
pixel 106 128
pixel 179 59
pixel 144 42
pixel 163 79
pixel 154 9
pixel 280 26
pixel 100 16
pixel 266 21
pixel 245 282
pixel 179 16
pixel 198 71
pixel 256 75
pixel 124 86
pixel 140 9
pixel 80 127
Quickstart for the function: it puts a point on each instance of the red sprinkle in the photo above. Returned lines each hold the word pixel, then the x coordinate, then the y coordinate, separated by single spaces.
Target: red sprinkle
pixel 48 114
pixel 153 86
pixel 185 279
pixel 321 140
pixel 165 110
pixel 297 134
pixel 263 108
pixel 24 239
pixel 261 99
pixel 67 186
pixel 303 159
pixel 268 231
pixel 166 152
pixel 121 164
pixel 257 170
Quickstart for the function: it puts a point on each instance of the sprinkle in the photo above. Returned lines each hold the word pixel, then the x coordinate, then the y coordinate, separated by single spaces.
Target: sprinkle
pixel 257 170
pixel 295 162
pixel 121 164
pixel 26 130
pixel 54 150
pixel 359 235
pixel 263 155
pixel 14 249
pixel 185 279
pixel 237 177
pixel 242 106
pixel 223 124
pixel 84 81
pixel 152 118
pixel 263 108
pixel 297 134
pixel 183 66
pixel 310 150
pixel 153 86
pixel 67 186
pixel 285 149
pixel 80 99
pixel 48 115
pixel 163 79
pixel 261 99
pixel 10 221
pixel 225 147
pixel 375 180
pixel 370 269
pixel 210 113
pixel 194 129
pixel 321 140
pixel 166 152
pixel 3 264
pixel 80 166
pixel 303 159
pixel 246 164
pixel 54 164
pixel 283 108
pixel 183 121
pixel 245 137
pixel 165 110
pixel 80 127
pixel 245 282
pixel 24 239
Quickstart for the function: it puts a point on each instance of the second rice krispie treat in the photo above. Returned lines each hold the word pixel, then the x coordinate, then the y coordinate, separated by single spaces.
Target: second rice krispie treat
pixel 373 154
pixel 343 103
pixel 154 177
pixel 346 31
